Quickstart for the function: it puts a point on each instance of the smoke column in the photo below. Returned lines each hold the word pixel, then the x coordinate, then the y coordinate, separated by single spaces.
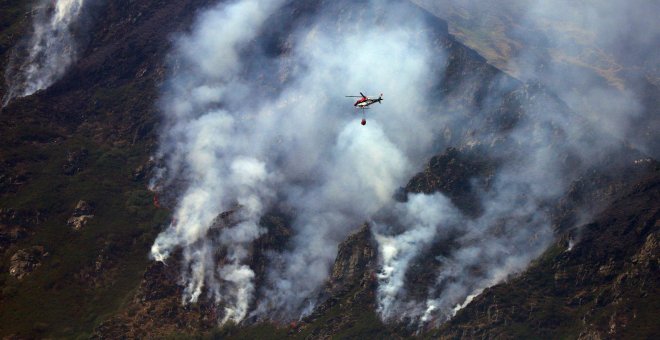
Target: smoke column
pixel 220 166
pixel 515 225
pixel 242 137
pixel 513 230
pixel 51 49
pixel 248 128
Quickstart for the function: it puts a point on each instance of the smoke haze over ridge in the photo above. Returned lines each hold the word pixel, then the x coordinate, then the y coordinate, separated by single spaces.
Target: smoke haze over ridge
pixel 598 57
pixel 246 130
pixel 537 152
pixel 235 147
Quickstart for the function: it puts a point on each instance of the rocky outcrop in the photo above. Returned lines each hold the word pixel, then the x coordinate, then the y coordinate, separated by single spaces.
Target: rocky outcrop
pixel 355 264
pixel 349 303
pixel 78 222
pixel 25 261
pixel 81 215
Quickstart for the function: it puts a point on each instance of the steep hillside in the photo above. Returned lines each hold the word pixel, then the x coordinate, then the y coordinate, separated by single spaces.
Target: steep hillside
pixel 89 138
pixel 600 282
pixel 77 221
pixel 156 307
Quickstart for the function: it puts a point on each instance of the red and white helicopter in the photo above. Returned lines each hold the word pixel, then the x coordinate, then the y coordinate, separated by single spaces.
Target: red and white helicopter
pixel 364 102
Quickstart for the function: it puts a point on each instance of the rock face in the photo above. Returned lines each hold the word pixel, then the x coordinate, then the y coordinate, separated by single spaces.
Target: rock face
pixel 25 261
pixel 349 297
pixel 355 263
pixel 81 215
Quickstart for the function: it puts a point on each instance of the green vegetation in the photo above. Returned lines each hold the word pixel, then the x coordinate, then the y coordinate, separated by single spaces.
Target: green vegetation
pixel 13 14
pixel 88 275
pixel 70 292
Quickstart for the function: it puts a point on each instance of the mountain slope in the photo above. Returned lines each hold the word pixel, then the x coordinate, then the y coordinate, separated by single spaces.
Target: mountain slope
pixel 89 137
pixel 600 283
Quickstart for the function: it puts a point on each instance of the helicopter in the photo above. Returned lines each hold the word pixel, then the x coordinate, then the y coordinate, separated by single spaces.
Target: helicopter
pixel 364 102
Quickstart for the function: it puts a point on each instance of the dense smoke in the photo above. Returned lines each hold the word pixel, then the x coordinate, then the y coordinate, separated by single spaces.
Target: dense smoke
pixel 514 227
pixel 51 48
pixel 223 168
pixel 424 217
pixel 239 145
pixel 248 128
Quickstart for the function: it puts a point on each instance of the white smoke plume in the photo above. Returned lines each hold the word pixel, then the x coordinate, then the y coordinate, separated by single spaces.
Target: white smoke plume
pixel 247 128
pixel 51 49
pixel 361 167
pixel 222 168
pixel 514 227
pixel 425 217
pixel 512 230
pixel 237 146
